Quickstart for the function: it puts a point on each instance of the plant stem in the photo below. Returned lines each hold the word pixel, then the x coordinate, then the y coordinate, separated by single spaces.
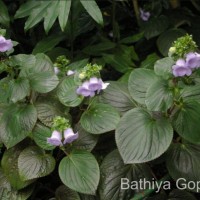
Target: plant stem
pixel 136 10
pixel 147 192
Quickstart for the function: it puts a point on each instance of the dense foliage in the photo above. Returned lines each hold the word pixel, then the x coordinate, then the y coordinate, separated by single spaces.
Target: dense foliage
pixel 92 92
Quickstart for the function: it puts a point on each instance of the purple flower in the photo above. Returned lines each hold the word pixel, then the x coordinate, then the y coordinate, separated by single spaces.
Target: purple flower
pixel 181 68
pixel 144 15
pixel 69 136
pixel 55 138
pixel 84 90
pixel 5 45
pixel 95 84
pixel 193 60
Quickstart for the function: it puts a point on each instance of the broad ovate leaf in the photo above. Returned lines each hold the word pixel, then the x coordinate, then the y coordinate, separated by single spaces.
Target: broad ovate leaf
pixel 16 123
pixel 183 163
pixel 138 129
pixel 100 118
pixel 33 163
pixel 139 82
pixel 114 172
pixel 186 121
pixel 80 172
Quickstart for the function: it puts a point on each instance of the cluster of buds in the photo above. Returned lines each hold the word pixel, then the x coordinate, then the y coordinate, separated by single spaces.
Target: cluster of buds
pixel 61 128
pixel 61 64
pixel 5 45
pixel 90 83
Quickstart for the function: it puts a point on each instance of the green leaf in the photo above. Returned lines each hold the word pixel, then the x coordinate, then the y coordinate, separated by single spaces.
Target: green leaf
pixel 37 14
pixel 85 141
pixel 155 26
pixel 5 90
pixel 139 82
pixel 67 92
pixel 40 135
pixel 113 171
pixel 100 118
pixel 16 123
pixel 132 39
pixel 186 121
pixel 163 67
pixel 43 82
pixel 47 110
pixel 9 165
pixel 150 60
pixel 138 128
pixel 166 39
pixel 180 195
pixel 159 96
pixel 80 172
pixel 183 162
pixel 4 16
pixel 64 8
pixel 191 93
pixel 64 193
pixel 78 64
pixel 51 15
pixel 48 43
pixel 92 8
pixel 20 88
pixel 34 163
pixel 117 95
pixel 26 8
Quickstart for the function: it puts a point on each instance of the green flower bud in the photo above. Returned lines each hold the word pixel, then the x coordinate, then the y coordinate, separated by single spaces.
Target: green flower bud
pixel 60 124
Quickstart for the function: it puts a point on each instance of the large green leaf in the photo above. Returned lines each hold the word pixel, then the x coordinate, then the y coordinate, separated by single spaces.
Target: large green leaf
pixel 92 8
pixel 149 61
pixel 166 39
pixel 43 82
pixel 67 92
pixel 51 15
pixel 40 135
pixel 100 118
pixel 64 8
pixel 5 90
pixel 20 88
pixel 138 129
pixel 16 123
pixel 159 96
pixel 9 165
pixel 80 172
pixel 34 163
pixel 139 81
pixel 86 141
pixel 155 26
pixel 186 121
pixel 163 67
pixel 117 95
pixel 4 16
pixel 113 171
pixel 37 14
pixel 191 92
pixel 183 163
pixel 64 193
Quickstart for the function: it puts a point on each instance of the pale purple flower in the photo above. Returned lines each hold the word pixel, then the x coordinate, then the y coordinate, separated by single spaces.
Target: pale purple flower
pixel 69 136
pixel 55 138
pixel 84 90
pixel 144 15
pixel 181 68
pixel 70 72
pixel 95 84
pixel 5 45
pixel 193 60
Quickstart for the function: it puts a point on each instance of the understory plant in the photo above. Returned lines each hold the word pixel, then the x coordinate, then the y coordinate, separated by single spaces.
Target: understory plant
pixel 100 92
